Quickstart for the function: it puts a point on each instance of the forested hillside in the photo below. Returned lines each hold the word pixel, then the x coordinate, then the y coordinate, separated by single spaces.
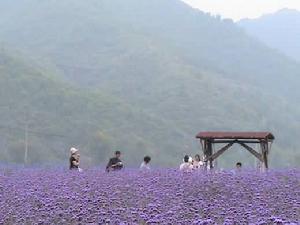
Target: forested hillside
pixel 57 116
pixel 105 77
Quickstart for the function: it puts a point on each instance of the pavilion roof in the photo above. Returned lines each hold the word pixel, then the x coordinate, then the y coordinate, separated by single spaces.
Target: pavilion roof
pixel 236 135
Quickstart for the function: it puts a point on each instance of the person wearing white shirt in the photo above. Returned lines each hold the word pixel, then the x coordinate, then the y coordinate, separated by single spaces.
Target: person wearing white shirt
pixel 74 159
pixel 145 166
pixel 186 166
pixel 197 163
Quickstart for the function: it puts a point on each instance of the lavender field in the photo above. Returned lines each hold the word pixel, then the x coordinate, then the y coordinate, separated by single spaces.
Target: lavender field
pixel 157 197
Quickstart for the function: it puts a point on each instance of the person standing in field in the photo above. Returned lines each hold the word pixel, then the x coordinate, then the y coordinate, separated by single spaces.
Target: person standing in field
pixel 74 159
pixel 238 166
pixel 115 163
pixel 197 163
pixel 186 166
pixel 145 164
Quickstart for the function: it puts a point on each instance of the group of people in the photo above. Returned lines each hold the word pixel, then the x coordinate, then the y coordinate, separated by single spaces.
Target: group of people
pixel 115 163
pixel 193 164
pixel 189 164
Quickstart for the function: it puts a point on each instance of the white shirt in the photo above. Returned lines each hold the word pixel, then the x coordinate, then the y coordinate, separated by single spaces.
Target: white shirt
pixel 186 167
pixel 197 165
pixel 145 166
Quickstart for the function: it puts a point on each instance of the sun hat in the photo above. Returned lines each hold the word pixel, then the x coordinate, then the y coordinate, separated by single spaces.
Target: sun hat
pixel 73 150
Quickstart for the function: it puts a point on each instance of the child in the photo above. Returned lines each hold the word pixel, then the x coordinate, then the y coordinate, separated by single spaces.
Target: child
pixel 145 164
pixel 238 166
pixel 197 163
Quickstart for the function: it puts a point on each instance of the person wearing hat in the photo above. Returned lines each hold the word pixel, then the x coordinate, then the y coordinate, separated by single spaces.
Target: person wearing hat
pixel 115 163
pixel 74 159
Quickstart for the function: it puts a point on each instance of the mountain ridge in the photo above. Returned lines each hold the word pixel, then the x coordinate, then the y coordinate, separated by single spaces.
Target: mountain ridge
pixel 169 70
pixel 278 30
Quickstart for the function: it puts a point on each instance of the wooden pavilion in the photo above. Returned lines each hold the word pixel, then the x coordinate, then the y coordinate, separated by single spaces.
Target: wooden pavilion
pixel 208 139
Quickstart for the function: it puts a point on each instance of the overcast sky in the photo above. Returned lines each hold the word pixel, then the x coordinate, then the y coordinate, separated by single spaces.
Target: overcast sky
pixel 237 9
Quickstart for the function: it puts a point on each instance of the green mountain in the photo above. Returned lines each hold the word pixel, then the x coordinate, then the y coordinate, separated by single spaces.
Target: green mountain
pixel 279 30
pixel 56 115
pixel 146 76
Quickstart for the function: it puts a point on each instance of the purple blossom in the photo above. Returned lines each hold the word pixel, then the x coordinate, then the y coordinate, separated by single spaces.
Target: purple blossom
pixel 159 197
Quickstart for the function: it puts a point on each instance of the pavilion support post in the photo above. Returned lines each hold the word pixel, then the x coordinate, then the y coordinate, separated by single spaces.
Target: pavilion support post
pixel 264 151
pixel 202 143
pixel 204 147
pixel 205 153
pixel 207 150
pixel 210 152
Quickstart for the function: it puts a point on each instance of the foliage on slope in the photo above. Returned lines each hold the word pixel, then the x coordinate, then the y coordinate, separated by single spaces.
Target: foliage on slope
pixel 160 82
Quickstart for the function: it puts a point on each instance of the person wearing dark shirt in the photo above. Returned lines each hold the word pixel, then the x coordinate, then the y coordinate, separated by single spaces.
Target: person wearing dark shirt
pixel 115 163
pixel 74 159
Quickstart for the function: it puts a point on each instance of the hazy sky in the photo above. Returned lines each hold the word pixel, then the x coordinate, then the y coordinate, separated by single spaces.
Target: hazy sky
pixel 237 9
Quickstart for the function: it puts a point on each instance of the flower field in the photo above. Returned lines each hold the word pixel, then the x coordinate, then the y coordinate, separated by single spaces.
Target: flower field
pixel 157 197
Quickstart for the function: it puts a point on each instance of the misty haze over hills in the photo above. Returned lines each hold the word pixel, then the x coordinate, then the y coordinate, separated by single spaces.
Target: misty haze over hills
pixel 139 76
pixel 280 30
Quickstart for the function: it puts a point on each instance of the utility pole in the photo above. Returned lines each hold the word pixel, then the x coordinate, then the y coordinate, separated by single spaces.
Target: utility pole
pixel 26 125
pixel 26 144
